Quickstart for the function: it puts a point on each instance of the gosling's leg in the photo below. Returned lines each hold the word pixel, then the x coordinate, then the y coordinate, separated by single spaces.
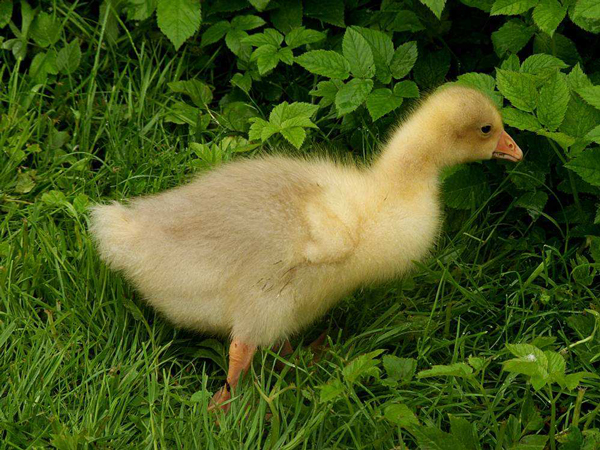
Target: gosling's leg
pixel 240 358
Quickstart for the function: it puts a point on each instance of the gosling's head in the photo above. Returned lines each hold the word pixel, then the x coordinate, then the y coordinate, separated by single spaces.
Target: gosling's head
pixel 467 125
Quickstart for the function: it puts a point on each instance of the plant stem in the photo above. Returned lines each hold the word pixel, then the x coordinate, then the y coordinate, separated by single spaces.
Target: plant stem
pixel 552 418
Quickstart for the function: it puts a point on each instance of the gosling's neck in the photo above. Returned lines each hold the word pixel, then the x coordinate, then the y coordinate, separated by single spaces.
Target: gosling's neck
pixel 411 157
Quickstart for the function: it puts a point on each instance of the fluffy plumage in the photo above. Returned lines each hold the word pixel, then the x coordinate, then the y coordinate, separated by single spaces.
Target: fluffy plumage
pixel 259 248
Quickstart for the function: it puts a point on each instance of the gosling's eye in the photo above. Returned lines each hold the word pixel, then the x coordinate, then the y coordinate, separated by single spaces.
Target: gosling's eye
pixel 486 129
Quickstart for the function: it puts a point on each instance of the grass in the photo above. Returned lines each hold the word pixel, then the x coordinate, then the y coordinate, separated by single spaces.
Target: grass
pixel 85 364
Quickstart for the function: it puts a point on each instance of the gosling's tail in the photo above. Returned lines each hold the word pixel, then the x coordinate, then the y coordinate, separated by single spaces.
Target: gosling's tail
pixel 115 233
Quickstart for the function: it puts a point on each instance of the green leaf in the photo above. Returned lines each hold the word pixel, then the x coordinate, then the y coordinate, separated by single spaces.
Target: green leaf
pixel 430 438
pixel 520 119
pixel 294 135
pixel 331 11
pixel 400 415
pixel 534 202
pixel 406 89
pixel 404 59
pixel 406 20
pixel 399 369
pixel 383 51
pixel 573 379
pixel 268 37
pixel 260 5
pixel 243 81
pixel 531 442
pixel 43 64
pixel 362 366
pixel 197 90
pixel 288 16
pixel 511 37
pixel 382 101
pixel 215 33
pixel 285 111
pixel 512 62
pixel 580 119
pixel 331 391
pixel 556 365
pixel 530 418
pixel 511 7
pixel 69 57
pixel 541 64
pixel 267 58
pixel 6 7
pixel 591 95
pixel 455 370
pixel 45 30
pixel 553 101
pixel 352 95
pixel 233 40
pixel 431 69
pixel 436 6
pixel 358 54
pixel 25 182
pixel 328 90
pixel 247 22
pixel 301 36
pixel 519 88
pixel 548 15
pixel 464 432
pixel 484 5
pixel 577 78
pixel 466 188
pixel 587 165
pixel 325 62
pixel 589 9
pixel 562 139
pixel 178 19
pixel 483 82
pixel 594 135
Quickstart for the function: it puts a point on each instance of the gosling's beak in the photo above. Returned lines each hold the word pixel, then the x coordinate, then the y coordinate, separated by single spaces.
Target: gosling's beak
pixel 507 148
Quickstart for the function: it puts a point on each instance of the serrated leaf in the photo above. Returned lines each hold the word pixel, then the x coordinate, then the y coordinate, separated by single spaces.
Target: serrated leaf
pixel 541 63
pixel 268 37
pixel 483 82
pixel 383 51
pixel 45 30
pixel 464 432
pixel 294 135
pixel 431 69
pixel 256 129
pixel 178 19
pixel 511 37
pixel 285 111
pixel 327 90
pixel 573 379
pixel 594 135
pixel 301 36
pixel 534 202
pixel 519 88
pixel 455 370
pixel 197 90
pixel 562 139
pixel 247 22
pixel 589 9
pixel 406 89
pixel 68 58
pixel 6 7
pixel 548 15
pixel 484 5
pixel 404 59
pixel 587 165
pixel 358 53
pixel 25 182
pixel 352 95
pixel 382 101
pixel 362 366
pixel 266 57
pixel 399 369
pixel 520 119
pixel 406 20
pixel 331 391
pixel 234 41
pixel 577 78
pixel 243 81
pixel 401 415
pixel 436 6
pixel 512 62
pixel 260 5
pixel 511 7
pixel 556 364
pixel 331 11
pixel 580 119
pixel 325 62
pixel 591 95
pixel 215 33
pixel 531 442
pixel 466 188
pixel 288 16
pixel 430 438
pixel 553 101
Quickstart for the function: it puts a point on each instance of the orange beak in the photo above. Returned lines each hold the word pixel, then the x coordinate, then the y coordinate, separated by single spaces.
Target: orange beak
pixel 507 148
